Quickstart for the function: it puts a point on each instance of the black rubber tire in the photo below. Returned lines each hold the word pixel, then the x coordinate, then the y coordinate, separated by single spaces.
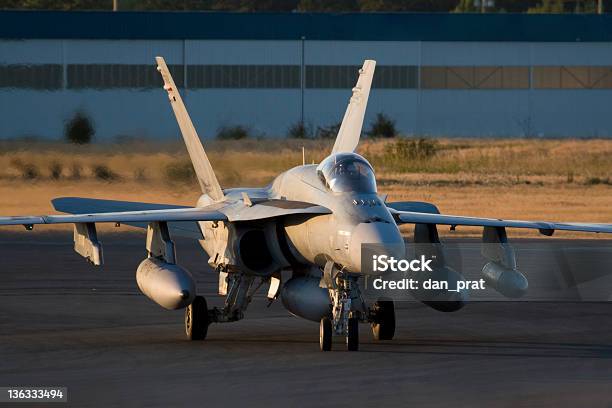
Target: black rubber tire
pixel 325 334
pixel 383 328
pixel 352 338
pixel 196 319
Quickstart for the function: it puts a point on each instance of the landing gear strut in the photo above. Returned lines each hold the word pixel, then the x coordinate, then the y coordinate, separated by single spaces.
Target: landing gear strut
pixel 239 290
pixel 347 308
pixel 196 319
pixel 326 332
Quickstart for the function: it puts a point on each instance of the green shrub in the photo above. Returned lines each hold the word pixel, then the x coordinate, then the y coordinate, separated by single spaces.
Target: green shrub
pixel 329 132
pixel 414 149
pixel 383 126
pixel 28 171
pixel 55 170
pixel 299 130
pixel 233 133
pixel 104 173
pixel 181 172
pixel 79 129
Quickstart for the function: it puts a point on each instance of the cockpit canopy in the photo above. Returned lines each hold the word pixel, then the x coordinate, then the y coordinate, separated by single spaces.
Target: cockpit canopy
pixel 347 172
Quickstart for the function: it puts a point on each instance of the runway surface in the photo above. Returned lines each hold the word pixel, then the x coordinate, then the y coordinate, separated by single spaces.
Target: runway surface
pixel 66 323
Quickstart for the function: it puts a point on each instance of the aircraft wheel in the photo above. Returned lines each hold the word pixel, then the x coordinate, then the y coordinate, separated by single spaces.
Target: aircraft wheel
pixel 352 339
pixel 196 319
pixel 383 327
pixel 325 334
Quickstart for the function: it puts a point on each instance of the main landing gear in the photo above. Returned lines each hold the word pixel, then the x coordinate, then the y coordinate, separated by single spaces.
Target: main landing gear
pixel 196 319
pixel 238 289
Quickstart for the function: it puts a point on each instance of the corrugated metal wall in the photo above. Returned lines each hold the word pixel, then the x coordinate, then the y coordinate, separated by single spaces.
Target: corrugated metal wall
pixel 462 106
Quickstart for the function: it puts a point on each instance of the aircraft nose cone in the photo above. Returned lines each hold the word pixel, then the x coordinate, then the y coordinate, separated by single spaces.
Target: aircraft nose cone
pixel 377 238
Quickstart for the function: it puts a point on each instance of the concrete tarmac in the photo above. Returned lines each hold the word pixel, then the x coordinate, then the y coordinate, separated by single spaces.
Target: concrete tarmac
pixel 66 323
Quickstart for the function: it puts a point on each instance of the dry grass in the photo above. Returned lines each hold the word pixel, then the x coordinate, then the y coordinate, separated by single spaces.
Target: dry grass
pixel 515 178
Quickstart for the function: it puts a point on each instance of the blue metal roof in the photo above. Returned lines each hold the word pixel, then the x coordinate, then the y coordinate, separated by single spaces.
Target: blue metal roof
pixel 312 26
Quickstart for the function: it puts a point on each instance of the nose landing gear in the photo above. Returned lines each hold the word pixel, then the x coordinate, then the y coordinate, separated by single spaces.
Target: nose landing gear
pixel 347 309
pixel 196 319
pixel 326 334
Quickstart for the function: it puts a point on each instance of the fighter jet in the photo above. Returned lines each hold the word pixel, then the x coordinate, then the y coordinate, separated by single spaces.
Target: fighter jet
pixel 301 236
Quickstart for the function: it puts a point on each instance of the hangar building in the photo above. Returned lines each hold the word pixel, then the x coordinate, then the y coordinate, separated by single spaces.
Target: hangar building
pixel 437 74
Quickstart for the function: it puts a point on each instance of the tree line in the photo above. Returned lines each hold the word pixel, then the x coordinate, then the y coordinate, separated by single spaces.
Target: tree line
pixel 459 6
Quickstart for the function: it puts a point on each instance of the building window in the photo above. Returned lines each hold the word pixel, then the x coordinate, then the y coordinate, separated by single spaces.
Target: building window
pixel 47 76
pixel 331 76
pixel 104 76
pixel 470 77
pixel 243 76
pixel 345 76
pixel 145 76
pixel 572 77
pixel 395 77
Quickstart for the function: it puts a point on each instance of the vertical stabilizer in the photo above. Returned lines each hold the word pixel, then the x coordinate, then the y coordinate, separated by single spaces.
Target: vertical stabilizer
pixel 350 129
pixel 204 171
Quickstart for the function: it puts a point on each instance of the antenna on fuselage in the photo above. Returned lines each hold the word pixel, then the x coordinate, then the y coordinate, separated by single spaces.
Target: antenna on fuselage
pixel 303 156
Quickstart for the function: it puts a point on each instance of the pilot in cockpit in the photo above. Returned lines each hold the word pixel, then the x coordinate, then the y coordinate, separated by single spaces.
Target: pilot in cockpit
pixel 347 172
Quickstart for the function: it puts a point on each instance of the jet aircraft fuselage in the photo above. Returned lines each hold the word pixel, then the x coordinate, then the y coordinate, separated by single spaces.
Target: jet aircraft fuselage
pixel 346 185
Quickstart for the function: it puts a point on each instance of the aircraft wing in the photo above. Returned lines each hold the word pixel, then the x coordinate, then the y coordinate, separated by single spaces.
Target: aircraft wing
pixel 179 214
pixel 546 228
pixel 179 218
pixel 78 205
pixel 161 218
